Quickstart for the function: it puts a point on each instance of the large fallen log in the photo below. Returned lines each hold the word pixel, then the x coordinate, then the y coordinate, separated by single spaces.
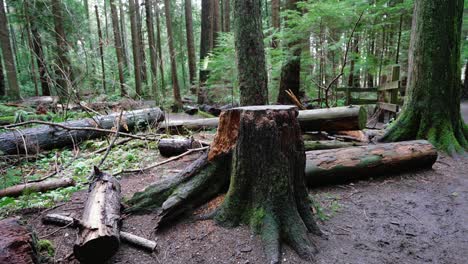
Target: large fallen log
pixel 169 147
pixel 98 239
pixel 328 144
pixel 131 239
pixel 33 140
pixel 341 165
pixel 48 185
pixel 331 119
pixel 17 244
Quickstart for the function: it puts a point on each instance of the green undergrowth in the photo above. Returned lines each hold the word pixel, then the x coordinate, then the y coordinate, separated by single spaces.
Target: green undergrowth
pixel 132 155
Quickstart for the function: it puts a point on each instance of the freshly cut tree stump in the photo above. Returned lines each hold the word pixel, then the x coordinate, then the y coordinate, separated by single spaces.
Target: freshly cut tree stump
pixel 17 244
pixel 18 190
pixel 169 147
pixel 46 137
pixel 267 189
pixel 98 238
pixel 341 165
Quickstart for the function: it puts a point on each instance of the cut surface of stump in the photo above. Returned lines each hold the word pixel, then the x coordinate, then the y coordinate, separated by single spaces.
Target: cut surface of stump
pixel 267 189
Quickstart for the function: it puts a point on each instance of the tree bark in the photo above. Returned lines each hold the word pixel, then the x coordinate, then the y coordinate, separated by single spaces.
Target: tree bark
pixel 226 15
pixel 342 165
pixel 158 43
pixel 135 47
pixel 432 104
pixel 190 42
pixel 275 20
pixel 8 55
pixel 3 91
pixel 101 49
pixel 46 137
pixel 141 44
pixel 206 38
pixel 152 50
pixel 248 40
pixel 41 60
pixel 217 20
pixel 328 144
pixel 465 83
pixel 169 147
pixel 18 190
pixel 123 27
pixel 99 236
pixel 118 47
pixel 170 38
pixel 18 244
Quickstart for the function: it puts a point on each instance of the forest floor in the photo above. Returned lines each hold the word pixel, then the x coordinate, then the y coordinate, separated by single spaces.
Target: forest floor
pixel 407 218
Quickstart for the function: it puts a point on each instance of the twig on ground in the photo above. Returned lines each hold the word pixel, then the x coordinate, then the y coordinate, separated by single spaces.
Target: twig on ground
pixel 162 162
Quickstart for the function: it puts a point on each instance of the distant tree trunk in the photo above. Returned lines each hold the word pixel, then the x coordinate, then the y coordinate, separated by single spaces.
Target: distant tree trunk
pixel 226 15
pixel 135 47
pixel 190 41
pixel 13 88
pixel 275 20
pixel 432 106
pixel 2 79
pixel 118 47
pixel 63 70
pixel 101 49
pixel 41 61
pixel 144 75
pixel 205 37
pixel 170 38
pixel 26 10
pixel 106 27
pixel 152 50
pixel 248 39
pixel 158 43
pixel 123 29
pixel 216 22
pixel 370 76
pixel 465 83
pixel 353 80
pixel 399 41
pixel 291 69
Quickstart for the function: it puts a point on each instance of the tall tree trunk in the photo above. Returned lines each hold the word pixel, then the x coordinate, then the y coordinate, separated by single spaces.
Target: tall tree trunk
pixel 10 68
pixel 370 76
pixel 123 29
pixel 170 39
pixel 248 40
pixel 135 47
pixel 118 47
pixel 399 41
pixel 152 50
pixel 26 10
pixel 465 83
pixel 101 49
pixel 2 79
pixel 190 41
pixel 432 106
pixel 216 21
pixel 106 24
pixel 353 79
pixel 291 68
pixel 144 75
pixel 158 43
pixel 226 15
pixel 206 38
pixel 275 20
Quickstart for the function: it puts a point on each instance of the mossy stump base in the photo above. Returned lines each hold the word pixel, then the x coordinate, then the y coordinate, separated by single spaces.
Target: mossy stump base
pixel 259 154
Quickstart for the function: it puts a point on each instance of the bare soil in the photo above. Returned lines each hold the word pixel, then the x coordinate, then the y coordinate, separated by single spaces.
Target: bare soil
pixel 408 218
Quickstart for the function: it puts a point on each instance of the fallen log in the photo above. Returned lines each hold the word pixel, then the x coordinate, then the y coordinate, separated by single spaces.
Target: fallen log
pixel 18 190
pixel 17 243
pixel 169 147
pixel 131 239
pixel 331 119
pixel 44 137
pixel 98 238
pixel 328 144
pixel 341 165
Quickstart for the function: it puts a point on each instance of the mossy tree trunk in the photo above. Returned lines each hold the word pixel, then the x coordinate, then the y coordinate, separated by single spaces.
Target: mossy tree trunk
pixel 432 106
pixel 248 40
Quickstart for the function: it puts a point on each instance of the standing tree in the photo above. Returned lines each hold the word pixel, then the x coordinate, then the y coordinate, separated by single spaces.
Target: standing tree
pixel 123 30
pixel 226 15
pixel 432 106
pixel 248 40
pixel 170 40
pixel 139 25
pixel 118 47
pixel 206 38
pixel 275 19
pixel 158 43
pixel 135 47
pixel 101 49
pixel 152 50
pixel 13 88
pixel 190 41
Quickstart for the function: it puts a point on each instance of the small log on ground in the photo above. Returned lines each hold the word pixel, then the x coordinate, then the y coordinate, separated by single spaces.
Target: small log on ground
pixel 44 137
pixel 17 243
pixel 131 239
pixel 169 147
pixel 341 165
pixel 98 238
pixel 328 144
pixel 48 185
pixel 332 119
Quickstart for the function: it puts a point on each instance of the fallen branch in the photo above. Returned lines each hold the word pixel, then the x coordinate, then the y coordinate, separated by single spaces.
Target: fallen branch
pixel 18 190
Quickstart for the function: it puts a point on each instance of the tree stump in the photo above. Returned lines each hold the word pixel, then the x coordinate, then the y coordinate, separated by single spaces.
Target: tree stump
pixel 267 188
pixel 17 243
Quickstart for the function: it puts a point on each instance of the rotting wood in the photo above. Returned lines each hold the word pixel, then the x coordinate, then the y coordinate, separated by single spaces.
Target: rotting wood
pixel 169 147
pixel 17 243
pixel 48 185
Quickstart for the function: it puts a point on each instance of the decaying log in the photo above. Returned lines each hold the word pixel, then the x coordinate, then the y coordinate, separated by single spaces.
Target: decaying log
pixel 98 238
pixel 328 144
pixel 39 100
pixel 131 239
pixel 169 147
pixel 48 185
pixel 341 165
pixel 33 140
pixel 332 119
pixel 17 243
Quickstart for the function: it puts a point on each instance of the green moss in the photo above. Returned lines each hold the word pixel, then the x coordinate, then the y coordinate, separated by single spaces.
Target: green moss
pixel 46 246
pixel 369 160
pixel 362 117
pixel 443 138
pixel 256 218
